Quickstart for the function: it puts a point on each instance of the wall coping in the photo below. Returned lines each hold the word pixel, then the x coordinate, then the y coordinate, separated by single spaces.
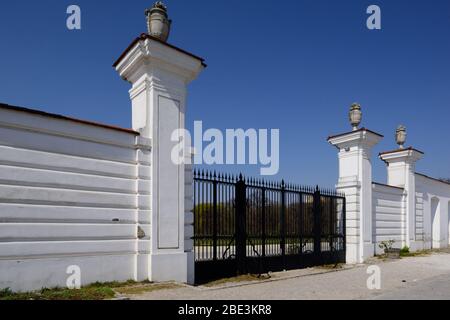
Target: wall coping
pixel 61 117
pixel 431 178
pixel 386 185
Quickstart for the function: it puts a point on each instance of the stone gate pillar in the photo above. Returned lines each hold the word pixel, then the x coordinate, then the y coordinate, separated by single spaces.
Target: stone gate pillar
pixel 159 74
pixel 401 171
pixel 355 181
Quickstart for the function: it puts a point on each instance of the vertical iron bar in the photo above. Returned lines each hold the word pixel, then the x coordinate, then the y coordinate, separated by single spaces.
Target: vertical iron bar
pixel 214 195
pixel 283 224
pixel 195 218
pixel 344 224
pixel 300 222
pixel 240 190
pixel 317 223
pixel 263 221
pixel 331 219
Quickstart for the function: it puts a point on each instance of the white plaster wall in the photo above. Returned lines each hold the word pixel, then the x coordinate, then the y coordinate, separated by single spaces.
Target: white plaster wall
pixel 189 222
pixel 434 233
pixel 389 220
pixel 69 195
pixel 419 217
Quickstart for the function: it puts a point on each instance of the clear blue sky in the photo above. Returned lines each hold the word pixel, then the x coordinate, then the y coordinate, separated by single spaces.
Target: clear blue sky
pixel 292 65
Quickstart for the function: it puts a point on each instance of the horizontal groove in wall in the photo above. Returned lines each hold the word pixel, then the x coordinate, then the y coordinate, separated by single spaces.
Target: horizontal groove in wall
pixel 66 221
pixel 388 206
pixel 378 211
pixel 70 154
pixel 75 255
pixel 65 247
pixel 70 204
pixel 67 169
pixel 31 170
pixel 34 211
pixel 68 187
pixel 63 239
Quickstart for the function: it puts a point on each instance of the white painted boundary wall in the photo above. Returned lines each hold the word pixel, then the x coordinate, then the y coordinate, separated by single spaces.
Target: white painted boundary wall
pixel 389 219
pixel 432 212
pixel 411 209
pixel 69 195
pixel 108 200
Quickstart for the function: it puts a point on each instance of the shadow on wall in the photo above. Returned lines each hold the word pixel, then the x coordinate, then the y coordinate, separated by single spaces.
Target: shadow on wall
pixel 435 206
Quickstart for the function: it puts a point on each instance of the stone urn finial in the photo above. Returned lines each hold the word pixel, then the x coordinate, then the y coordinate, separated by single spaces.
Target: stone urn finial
pixel 355 115
pixel 158 22
pixel 400 136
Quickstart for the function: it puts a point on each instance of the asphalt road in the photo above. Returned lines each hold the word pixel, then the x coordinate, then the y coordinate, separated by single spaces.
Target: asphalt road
pixel 425 277
pixel 435 288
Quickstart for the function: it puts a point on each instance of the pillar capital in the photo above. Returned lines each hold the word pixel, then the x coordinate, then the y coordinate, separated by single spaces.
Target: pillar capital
pixel 361 138
pixel 147 53
pixel 400 165
pixel 354 147
pixel 407 156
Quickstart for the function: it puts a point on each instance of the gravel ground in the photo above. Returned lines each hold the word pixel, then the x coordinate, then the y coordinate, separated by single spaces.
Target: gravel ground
pixel 425 277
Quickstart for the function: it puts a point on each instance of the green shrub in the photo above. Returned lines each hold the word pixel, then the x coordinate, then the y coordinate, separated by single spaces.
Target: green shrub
pixel 5 292
pixel 404 251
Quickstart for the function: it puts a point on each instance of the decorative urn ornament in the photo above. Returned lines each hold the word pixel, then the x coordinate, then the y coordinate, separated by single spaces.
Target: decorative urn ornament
pixel 158 22
pixel 400 136
pixel 355 115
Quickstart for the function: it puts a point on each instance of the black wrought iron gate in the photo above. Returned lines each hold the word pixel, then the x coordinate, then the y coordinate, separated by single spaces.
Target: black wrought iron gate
pixel 253 226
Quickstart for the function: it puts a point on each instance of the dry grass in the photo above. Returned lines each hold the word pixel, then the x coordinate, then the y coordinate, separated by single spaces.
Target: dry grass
pixel 138 289
pixel 96 291
pixel 242 278
pixel 420 253
pixel 334 266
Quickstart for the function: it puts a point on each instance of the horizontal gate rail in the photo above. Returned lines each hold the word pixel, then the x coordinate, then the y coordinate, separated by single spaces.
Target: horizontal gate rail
pixel 255 226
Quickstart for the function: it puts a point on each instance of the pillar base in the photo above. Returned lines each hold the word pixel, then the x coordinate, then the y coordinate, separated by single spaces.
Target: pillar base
pixel 352 254
pixel 368 251
pixel 142 267
pixel 356 254
pixel 172 267
pixel 440 244
pixel 416 246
